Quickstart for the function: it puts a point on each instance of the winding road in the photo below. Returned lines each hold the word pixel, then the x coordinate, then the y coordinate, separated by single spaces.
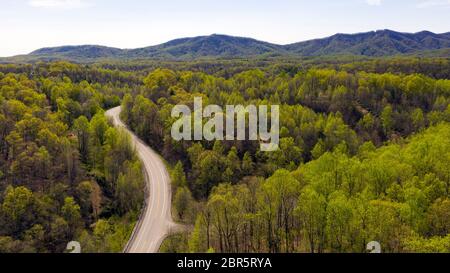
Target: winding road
pixel 155 222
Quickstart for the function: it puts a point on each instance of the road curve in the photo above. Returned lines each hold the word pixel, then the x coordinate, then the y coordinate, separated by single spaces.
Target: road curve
pixel 155 222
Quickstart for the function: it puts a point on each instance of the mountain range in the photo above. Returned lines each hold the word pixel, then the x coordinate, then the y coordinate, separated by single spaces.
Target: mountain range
pixel 373 44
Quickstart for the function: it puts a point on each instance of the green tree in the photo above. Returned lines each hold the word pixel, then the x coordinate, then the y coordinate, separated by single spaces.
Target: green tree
pixel 311 210
pixel 339 214
pixel 130 189
pixel 387 119
pixel 82 129
pixel 277 201
pixel 178 176
pixel 71 213
pixel 182 202
pixel 18 208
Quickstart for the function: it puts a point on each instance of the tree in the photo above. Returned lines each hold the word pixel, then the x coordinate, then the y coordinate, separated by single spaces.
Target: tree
pixel 247 164
pixel 146 121
pixel 234 165
pixel 82 129
pixel 288 154
pixel 98 129
pixel 18 206
pixel 339 214
pixel 118 150
pixel 35 236
pixel 418 119
pixel 178 177
pixel 277 201
pixel 225 209
pixel 210 168
pixel 417 244
pixel 337 132
pixel 438 218
pixel 385 225
pixel 59 235
pixel 71 213
pixel 311 210
pixel 159 83
pixel 84 192
pixel 387 120
pixel 99 126
pixel 182 202
pixel 130 189
pixel 196 242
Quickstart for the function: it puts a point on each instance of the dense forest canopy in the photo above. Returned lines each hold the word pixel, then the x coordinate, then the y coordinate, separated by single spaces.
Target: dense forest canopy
pixel 364 155
pixel 65 173
pixel 345 147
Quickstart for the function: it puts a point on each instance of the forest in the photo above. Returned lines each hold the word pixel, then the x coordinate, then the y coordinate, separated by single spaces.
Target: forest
pixel 364 155
pixel 65 173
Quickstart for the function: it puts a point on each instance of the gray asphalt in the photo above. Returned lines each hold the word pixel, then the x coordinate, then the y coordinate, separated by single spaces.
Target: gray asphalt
pixel 156 220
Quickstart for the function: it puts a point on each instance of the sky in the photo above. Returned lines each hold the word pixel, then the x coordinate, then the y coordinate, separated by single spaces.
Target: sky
pixel 27 25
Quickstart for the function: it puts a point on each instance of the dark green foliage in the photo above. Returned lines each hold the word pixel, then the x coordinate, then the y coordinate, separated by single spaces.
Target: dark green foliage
pixel 376 43
pixel 379 43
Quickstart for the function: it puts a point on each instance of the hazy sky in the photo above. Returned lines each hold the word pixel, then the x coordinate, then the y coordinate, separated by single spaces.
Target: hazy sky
pixel 26 25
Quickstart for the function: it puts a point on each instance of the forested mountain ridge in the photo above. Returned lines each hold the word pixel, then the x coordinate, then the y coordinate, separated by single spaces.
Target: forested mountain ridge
pixel 376 43
pixel 84 51
pixel 373 44
pixel 218 46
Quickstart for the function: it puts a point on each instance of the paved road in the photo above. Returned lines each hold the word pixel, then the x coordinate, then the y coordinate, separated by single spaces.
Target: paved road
pixel 156 220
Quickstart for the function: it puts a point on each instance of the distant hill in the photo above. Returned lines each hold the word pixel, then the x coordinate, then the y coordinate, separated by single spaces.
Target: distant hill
pixel 84 51
pixel 373 44
pixel 376 43
pixel 217 46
